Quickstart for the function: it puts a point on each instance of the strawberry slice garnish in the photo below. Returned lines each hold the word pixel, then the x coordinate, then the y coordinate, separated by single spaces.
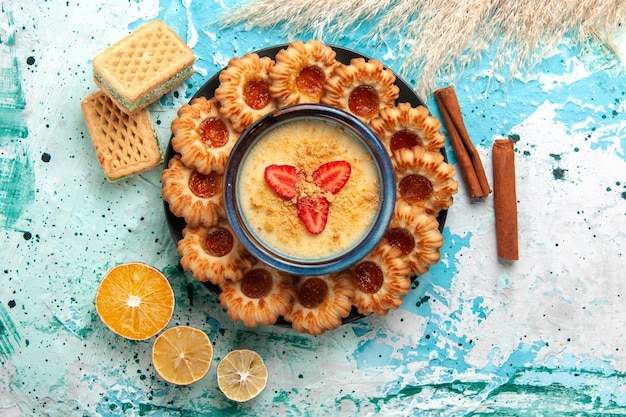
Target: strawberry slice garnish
pixel 283 179
pixel 332 176
pixel 313 212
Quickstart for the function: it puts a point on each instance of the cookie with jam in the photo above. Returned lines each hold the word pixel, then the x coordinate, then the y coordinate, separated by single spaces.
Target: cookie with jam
pixel 416 234
pixel 321 302
pixel 202 136
pixel 261 296
pixel 380 280
pixel 214 254
pixel 300 72
pixel 405 126
pixel 244 90
pixel 194 196
pixel 424 179
pixel 362 88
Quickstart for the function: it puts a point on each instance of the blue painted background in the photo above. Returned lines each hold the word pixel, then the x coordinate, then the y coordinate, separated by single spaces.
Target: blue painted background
pixel 475 336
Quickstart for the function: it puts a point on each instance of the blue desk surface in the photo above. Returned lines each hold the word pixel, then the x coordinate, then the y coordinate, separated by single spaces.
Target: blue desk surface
pixel 538 336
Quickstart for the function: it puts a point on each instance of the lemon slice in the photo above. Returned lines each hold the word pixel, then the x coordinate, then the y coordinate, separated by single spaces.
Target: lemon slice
pixel 241 375
pixel 135 300
pixel 182 355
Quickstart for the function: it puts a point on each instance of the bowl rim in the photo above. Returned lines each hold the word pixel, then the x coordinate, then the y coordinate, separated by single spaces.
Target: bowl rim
pixel 384 212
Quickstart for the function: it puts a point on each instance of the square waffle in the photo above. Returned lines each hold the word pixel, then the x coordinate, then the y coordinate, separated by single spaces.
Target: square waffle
pixel 126 144
pixel 140 68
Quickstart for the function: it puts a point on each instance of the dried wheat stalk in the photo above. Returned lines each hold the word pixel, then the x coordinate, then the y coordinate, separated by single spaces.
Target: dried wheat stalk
pixel 439 39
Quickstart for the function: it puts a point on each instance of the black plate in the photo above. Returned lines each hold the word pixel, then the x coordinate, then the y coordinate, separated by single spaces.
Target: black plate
pixel 177 224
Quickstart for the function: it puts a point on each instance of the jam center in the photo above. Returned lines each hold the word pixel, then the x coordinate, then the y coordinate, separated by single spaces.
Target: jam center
pixel 404 139
pixel 256 93
pixel 313 292
pixel 401 239
pixel 213 132
pixel 218 242
pixel 311 81
pixel 415 188
pixel 369 277
pixel 204 186
pixel 364 101
pixel 256 283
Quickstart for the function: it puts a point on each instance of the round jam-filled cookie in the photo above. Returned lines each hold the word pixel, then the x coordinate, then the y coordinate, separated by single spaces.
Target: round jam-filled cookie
pixel 380 280
pixel 261 296
pixel 321 302
pixel 424 179
pixel 191 195
pixel 404 126
pixel 362 88
pixel 202 136
pixel 213 254
pixel 244 90
pixel 416 234
pixel 300 72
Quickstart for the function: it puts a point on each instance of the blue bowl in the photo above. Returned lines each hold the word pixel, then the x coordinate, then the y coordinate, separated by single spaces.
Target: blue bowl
pixel 300 265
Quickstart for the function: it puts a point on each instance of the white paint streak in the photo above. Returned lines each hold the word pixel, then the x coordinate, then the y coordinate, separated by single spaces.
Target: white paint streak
pixel 192 34
pixel 220 60
pixel 576 72
pixel 543 297
pixel 619 43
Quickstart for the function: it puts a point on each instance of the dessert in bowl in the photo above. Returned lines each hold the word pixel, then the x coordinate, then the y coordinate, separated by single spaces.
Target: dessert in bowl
pixel 309 189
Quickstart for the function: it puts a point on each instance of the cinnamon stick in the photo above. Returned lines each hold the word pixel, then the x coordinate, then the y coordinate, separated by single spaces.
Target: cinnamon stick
pixel 505 199
pixel 467 156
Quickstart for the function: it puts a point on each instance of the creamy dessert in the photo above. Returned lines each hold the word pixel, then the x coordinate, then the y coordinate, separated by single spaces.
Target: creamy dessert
pixel 308 189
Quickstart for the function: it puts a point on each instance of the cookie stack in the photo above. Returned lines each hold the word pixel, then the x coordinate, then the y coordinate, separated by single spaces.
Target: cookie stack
pixel 132 74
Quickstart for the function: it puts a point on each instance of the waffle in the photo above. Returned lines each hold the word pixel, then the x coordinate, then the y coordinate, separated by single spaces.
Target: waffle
pixel 137 70
pixel 125 144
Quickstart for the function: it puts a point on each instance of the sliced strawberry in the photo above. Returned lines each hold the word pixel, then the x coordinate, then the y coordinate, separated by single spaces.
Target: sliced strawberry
pixel 332 176
pixel 314 213
pixel 283 179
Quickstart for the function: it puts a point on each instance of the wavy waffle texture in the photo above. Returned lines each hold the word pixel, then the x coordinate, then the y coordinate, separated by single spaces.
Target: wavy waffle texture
pixel 143 61
pixel 125 144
